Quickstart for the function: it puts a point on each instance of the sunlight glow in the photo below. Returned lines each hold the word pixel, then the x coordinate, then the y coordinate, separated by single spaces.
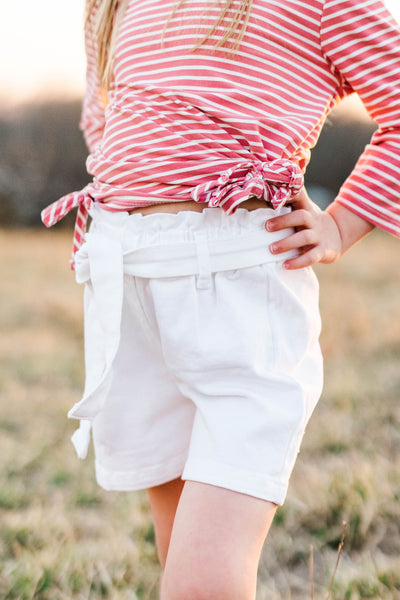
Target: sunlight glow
pixel 41 45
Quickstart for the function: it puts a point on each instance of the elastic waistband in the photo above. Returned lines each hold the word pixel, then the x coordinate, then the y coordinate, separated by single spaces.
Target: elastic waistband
pixel 135 230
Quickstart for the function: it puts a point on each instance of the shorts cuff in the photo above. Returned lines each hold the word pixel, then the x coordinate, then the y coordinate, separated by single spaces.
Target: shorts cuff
pixel 130 481
pixel 237 480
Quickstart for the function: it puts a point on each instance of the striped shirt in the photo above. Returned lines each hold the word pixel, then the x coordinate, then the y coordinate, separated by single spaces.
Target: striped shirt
pixel 219 127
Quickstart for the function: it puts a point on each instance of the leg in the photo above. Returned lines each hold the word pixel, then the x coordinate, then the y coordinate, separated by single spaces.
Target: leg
pixel 216 544
pixel 163 503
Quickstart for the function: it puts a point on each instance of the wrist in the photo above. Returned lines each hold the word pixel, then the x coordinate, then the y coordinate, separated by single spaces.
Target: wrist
pixel 351 227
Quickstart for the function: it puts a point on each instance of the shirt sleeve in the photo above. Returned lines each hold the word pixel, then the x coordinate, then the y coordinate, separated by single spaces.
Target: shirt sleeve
pixel 361 40
pixel 92 117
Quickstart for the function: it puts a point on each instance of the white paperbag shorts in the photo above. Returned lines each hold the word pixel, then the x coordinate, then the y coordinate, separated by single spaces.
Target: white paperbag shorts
pixel 202 353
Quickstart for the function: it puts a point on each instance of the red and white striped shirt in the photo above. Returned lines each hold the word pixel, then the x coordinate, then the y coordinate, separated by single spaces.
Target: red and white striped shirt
pixel 217 128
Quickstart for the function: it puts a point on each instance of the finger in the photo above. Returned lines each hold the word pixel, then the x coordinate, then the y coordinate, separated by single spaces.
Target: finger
pixel 300 239
pixel 307 259
pixel 296 218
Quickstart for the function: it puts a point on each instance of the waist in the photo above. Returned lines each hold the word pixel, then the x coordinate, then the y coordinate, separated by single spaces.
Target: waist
pixel 192 205
pixel 172 245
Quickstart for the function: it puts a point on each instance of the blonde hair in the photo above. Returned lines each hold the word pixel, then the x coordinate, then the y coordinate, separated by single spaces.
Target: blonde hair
pixel 109 15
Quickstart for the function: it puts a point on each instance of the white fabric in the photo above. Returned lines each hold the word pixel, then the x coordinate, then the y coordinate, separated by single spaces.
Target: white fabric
pixel 201 351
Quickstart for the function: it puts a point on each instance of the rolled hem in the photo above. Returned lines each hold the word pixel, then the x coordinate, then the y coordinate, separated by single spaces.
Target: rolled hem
pixel 135 480
pixel 229 477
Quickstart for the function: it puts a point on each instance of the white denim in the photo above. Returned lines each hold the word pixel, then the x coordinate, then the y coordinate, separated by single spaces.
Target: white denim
pixel 202 353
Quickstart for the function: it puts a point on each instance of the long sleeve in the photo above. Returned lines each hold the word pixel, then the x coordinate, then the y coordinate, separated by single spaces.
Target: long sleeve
pixel 92 118
pixel 362 41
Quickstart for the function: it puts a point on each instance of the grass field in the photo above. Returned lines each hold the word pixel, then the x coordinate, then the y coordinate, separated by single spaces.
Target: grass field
pixel 62 537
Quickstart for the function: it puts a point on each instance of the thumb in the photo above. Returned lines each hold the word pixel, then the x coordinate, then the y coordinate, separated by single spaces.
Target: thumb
pixel 301 200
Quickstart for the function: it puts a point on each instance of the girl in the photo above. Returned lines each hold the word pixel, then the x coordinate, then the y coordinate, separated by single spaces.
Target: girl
pixel 201 310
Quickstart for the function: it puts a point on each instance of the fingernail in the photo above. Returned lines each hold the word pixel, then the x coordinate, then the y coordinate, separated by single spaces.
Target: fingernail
pixel 273 248
pixel 269 226
pixel 287 265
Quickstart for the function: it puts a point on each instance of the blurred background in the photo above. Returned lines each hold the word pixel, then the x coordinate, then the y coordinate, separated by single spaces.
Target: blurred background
pixel 61 536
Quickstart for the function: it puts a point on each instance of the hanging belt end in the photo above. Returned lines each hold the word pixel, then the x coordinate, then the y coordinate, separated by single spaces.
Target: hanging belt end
pixel 81 438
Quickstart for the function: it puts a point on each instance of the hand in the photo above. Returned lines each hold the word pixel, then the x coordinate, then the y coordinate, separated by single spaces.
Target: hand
pixel 317 235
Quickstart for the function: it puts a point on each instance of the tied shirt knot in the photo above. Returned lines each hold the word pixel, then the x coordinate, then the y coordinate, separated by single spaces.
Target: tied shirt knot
pixel 274 181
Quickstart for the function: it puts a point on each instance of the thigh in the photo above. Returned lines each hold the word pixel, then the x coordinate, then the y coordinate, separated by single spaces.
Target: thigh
pixel 215 544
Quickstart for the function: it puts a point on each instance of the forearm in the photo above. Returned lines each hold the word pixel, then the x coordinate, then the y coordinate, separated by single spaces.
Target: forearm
pixel 352 228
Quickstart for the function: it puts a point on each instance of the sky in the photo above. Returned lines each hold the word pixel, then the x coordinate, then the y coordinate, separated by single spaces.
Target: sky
pixel 42 53
pixel 43 50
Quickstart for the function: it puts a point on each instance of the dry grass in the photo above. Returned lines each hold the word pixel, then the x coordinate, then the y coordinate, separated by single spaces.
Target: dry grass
pixel 61 537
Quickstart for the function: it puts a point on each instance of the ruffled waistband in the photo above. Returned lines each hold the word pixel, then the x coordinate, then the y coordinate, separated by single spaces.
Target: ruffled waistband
pixel 137 231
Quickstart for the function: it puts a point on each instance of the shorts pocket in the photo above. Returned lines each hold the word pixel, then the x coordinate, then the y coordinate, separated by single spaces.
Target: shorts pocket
pixel 224 326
